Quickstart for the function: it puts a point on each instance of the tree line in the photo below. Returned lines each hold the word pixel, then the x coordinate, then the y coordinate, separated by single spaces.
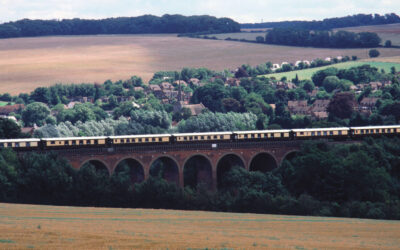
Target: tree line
pixel 322 38
pixel 330 23
pixel 121 25
pixel 363 182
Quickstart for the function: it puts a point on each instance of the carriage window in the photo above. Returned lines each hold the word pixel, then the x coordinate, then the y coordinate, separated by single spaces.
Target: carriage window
pixel 252 135
pixel 215 137
pixel 28 144
pixel 376 130
pixel 209 137
pixel 202 137
pixel 88 142
pixel 272 135
pixel 325 133
pixel 1 145
pixel 195 137
pixel 53 142
pixel 9 144
pixel 318 132
pixel 340 132
pixel 313 133
pixel 66 142
pixel 153 139
pixel 191 138
pixel 96 142
pixel 301 133
pixel 245 136
pixel 17 144
pixel 80 142
pixel 221 137
pixel 331 132
pixel 146 139
pixel 73 142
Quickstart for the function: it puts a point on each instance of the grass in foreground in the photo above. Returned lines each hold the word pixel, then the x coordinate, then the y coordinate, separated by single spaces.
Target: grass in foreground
pixel 307 73
pixel 51 227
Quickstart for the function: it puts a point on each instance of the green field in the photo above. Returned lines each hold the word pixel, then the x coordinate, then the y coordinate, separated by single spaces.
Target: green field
pixel 307 73
pixel 5 103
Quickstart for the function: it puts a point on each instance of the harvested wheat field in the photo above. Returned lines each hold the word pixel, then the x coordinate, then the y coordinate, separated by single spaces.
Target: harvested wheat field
pixel 27 63
pixel 51 227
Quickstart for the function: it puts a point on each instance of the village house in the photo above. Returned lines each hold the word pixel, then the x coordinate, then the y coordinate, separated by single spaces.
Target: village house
pixel 319 115
pixel 195 109
pixel 166 86
pixel 298 107
pixel 320 105
pixel 6 110
pixel 170 94
pixel 156 90
pixel 194 81
pixel 181 82
pixel 233 82
pixel 368 103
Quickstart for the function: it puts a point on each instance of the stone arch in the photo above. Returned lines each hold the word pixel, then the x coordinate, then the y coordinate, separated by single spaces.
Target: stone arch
pixel 225 163
pixel 95 162
pixel 289 155
pixel 131 166
pixel 202 172
pixel 263 162
pixel 169 169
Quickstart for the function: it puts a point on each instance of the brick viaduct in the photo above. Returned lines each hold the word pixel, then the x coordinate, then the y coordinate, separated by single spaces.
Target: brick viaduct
pixel 269 154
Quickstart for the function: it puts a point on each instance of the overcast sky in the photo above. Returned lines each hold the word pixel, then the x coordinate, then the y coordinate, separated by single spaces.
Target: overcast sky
pixel 239 10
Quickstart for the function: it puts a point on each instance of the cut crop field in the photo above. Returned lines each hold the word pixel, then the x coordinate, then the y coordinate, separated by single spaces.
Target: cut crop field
pixel 385 32
pixel 307 73
pixel 52 227
pixel 27 63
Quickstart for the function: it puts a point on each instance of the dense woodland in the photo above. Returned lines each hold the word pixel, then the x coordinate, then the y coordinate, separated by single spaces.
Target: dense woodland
pixel 122 25
pixel 324 39
pixel 330 23
pixel 363 182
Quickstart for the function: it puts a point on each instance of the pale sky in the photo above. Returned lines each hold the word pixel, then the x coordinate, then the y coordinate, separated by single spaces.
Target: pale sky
pixel 239 10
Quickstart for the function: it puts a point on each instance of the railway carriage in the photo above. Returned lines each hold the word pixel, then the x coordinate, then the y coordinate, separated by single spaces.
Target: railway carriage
pixel 202 137
pixel 74 141
pixel 340 132
pixel 375 130
pixel 20 143
pixel 282 134
pixel 139 139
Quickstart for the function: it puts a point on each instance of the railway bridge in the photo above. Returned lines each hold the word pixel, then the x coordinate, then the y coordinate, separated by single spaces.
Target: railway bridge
pixel 205 162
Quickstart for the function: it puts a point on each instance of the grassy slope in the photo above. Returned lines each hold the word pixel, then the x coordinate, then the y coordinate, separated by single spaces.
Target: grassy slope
pixel 307 73
pixel 58 227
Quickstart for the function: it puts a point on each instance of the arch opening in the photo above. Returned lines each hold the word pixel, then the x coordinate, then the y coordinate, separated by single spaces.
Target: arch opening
pixel 97 166
pixel 131 169
pixel 166 168
pixel 197 171
pixel 290 156
pixel 225 164
pixel 263 162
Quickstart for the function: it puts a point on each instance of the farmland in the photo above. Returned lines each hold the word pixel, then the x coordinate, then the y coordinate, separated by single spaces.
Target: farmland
pixel 386 32
pixel 27 63
pixel 307 73
pixel 51 227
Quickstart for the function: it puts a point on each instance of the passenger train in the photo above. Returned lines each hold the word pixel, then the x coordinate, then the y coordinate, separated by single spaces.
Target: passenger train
pixel 214 137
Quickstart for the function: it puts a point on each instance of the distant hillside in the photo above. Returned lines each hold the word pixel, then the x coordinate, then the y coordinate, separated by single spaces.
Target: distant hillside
pixel 329 23
pixel 122 25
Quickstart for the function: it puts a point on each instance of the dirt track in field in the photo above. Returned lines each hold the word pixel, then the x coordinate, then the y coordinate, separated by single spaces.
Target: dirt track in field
pixel 26 63
pixel 49 227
